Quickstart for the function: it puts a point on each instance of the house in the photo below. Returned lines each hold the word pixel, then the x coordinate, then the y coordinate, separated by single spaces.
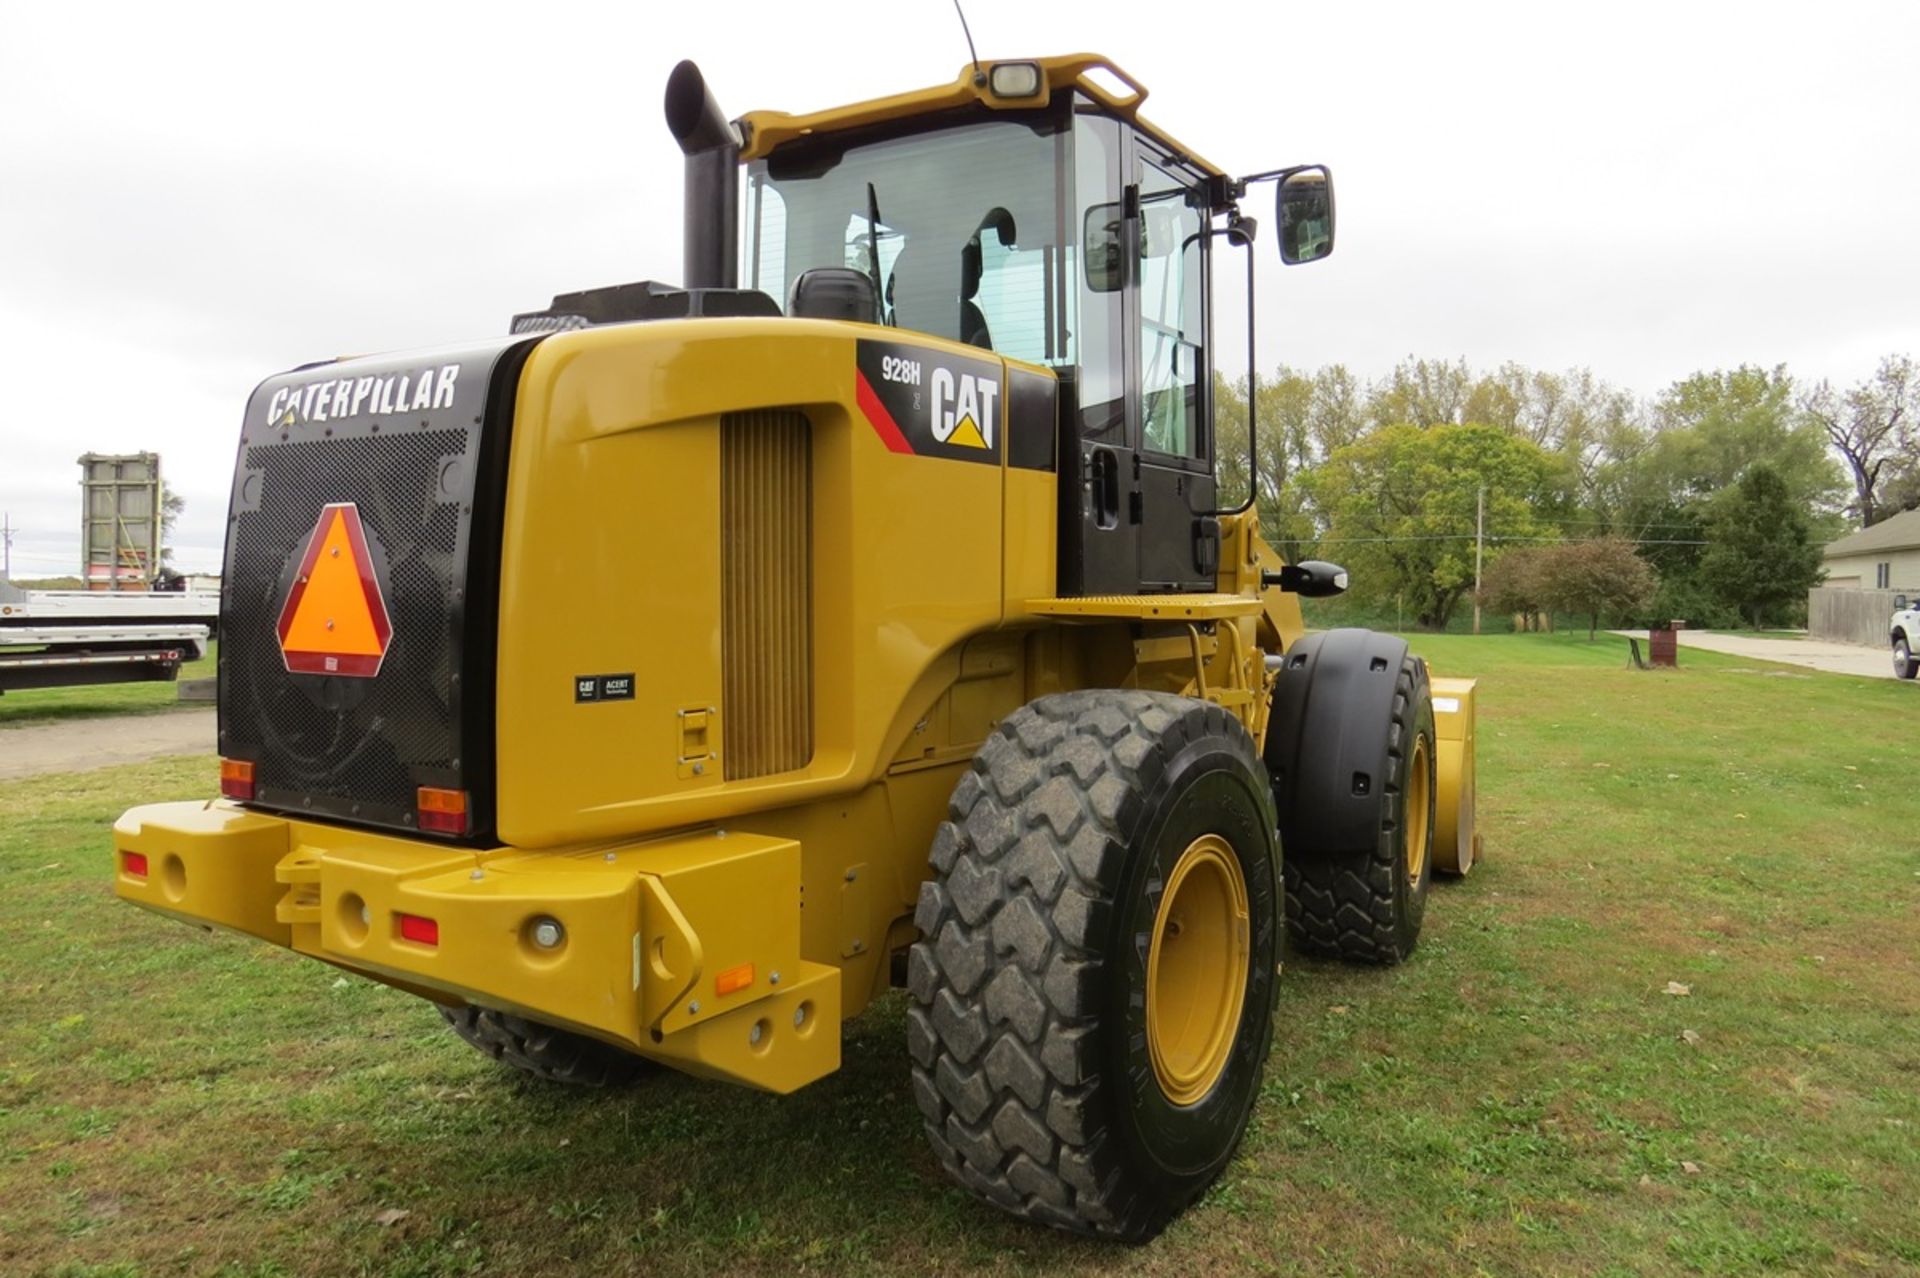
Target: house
pixel 1883 557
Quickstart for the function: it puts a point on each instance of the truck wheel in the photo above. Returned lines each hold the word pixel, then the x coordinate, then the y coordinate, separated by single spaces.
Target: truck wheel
pixel 557 1055
pixel 1904 666
pixel 1093 990
pixel 1351 749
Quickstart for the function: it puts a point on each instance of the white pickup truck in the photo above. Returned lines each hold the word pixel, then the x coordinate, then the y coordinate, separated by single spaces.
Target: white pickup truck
pixel 1904 630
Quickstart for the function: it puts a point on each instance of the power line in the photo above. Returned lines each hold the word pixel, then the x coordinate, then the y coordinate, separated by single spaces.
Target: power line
pixel 1638 541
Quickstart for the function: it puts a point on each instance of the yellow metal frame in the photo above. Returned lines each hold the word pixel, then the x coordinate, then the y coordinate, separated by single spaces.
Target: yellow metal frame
pixel 685 948
pixel 767 130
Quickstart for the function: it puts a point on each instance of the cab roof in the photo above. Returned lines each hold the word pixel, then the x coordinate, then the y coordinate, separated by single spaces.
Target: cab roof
pixel 767 130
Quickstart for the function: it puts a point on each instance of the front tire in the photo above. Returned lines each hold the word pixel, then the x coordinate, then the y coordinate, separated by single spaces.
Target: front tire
pixel 1093 990
pixel 1363 899
pixel 1904 665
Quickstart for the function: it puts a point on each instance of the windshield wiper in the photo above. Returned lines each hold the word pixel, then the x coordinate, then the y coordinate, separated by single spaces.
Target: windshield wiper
pixel 873 254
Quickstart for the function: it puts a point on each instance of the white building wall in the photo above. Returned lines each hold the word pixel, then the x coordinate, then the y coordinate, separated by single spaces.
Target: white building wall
pixel 1861 571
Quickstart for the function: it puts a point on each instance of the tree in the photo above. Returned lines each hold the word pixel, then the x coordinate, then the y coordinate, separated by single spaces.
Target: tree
pixel 1872 427
pixel 1513 584
pixel 1762 558
pixel 1421 392
pixel 1287 403
pixel 171 504
pixel 1339 413
pixel 1713 426
pixel 1604 576
pixel 1398 508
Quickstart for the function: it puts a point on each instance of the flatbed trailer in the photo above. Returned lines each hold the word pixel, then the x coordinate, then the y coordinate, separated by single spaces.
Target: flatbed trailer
pixel 69 638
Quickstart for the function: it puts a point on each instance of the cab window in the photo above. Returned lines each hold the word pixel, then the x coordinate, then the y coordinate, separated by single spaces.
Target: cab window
pixel 1172 305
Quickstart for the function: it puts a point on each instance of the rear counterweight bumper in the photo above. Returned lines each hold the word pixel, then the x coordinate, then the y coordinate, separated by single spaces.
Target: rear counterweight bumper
pixel 684 949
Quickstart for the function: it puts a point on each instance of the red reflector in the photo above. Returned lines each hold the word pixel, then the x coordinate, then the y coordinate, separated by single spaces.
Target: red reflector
pixel 136 863
pixel 236 778
pixel 415 928
pixel 442 811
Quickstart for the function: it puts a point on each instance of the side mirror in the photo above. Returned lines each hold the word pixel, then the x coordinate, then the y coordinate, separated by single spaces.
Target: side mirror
pixel 1310 579
pixel 1306 214
pixel 1899 603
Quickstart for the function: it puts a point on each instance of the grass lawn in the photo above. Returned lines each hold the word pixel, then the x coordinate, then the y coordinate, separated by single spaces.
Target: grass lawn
pixel 38 705
pixel 1523 1096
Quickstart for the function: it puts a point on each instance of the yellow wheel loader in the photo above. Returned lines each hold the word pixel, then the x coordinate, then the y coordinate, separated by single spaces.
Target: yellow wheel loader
pixel 660 683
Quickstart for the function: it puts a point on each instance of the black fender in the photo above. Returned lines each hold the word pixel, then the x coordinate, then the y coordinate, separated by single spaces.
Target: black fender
pixel 1327 739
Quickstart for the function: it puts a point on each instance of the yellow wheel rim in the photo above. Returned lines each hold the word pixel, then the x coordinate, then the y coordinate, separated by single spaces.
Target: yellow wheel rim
pixel 1197 969
pixel 1419 802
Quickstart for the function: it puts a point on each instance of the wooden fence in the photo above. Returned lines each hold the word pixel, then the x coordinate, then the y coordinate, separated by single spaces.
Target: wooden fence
pixel 1849 616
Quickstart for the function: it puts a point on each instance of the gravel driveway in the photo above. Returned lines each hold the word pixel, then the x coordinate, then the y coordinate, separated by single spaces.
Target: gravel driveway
pixel 1815 654
pixel 79 745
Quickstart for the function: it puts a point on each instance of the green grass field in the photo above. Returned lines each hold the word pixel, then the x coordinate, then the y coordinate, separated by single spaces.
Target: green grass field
pixel 39 705
pixel 1521 1097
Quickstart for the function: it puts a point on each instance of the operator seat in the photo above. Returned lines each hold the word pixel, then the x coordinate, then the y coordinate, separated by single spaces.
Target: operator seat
pixel 973 321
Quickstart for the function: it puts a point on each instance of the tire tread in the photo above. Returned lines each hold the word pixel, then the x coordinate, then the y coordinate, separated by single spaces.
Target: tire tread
pixel 544 1051
pixel 1007 981
pixel 1343 906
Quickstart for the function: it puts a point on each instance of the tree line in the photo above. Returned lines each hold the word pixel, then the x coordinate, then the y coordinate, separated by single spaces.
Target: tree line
pixel 1708 501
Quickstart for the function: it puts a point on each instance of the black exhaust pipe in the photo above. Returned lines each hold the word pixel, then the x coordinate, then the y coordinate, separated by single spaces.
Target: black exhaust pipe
pixel 712 147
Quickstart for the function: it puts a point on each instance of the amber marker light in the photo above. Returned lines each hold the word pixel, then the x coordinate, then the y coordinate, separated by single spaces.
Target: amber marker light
pixel 236 778
pixel 442 811
pixel 733 980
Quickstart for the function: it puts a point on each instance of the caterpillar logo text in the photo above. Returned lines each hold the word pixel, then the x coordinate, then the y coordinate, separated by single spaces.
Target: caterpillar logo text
pixel 413 390
pixel 963 408
pixel 931 403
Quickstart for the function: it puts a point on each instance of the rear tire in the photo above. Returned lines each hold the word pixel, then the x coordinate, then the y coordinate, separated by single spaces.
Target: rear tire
pixel 1365 904
pixel 1085 1048
pixel 556 1055
pixel 1904 665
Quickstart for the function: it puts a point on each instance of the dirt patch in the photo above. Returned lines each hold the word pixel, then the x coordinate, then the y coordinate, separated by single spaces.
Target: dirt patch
pixel 80 745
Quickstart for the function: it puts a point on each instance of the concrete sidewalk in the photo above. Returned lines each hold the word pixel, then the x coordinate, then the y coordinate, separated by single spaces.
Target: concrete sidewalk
pixel 1814 654
pixel 79 745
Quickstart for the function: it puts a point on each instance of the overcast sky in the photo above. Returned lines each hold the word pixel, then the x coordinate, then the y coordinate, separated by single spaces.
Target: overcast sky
pixel 193 197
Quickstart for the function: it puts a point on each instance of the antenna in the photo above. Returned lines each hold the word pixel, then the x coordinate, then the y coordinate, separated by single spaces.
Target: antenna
pixel 979 76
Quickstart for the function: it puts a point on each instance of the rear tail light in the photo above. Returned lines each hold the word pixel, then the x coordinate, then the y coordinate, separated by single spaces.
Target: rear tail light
pixel 236 778
pixel 423 931
pixel 135 863
pixel 442 811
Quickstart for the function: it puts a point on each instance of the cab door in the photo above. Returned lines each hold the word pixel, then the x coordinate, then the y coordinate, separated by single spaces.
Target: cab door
pixel 1100 428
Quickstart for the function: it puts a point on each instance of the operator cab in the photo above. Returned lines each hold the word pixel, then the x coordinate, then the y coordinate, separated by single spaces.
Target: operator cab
pixel 1024 208
pixel 1053 226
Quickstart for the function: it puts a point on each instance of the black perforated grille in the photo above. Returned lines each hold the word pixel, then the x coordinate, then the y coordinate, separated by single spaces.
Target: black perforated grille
pixel 353 747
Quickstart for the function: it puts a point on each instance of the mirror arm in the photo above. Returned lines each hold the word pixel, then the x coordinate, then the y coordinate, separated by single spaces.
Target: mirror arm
pixel 1282 174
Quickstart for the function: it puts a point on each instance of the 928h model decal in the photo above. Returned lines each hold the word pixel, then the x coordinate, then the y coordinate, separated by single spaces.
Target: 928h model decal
pixel 930 403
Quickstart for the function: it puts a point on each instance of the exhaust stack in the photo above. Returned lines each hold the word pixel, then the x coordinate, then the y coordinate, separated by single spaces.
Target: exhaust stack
pixel 712 148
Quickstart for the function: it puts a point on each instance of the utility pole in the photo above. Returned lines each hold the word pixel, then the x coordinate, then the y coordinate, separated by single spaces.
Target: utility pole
pixel 1479 547
pixel 6 546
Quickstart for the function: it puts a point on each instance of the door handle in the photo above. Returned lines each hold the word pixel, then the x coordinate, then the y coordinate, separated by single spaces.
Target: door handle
pixel 1103 479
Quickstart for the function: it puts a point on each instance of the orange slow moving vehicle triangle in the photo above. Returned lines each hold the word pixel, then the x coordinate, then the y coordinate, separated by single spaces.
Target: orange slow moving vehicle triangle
pixel 335 620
